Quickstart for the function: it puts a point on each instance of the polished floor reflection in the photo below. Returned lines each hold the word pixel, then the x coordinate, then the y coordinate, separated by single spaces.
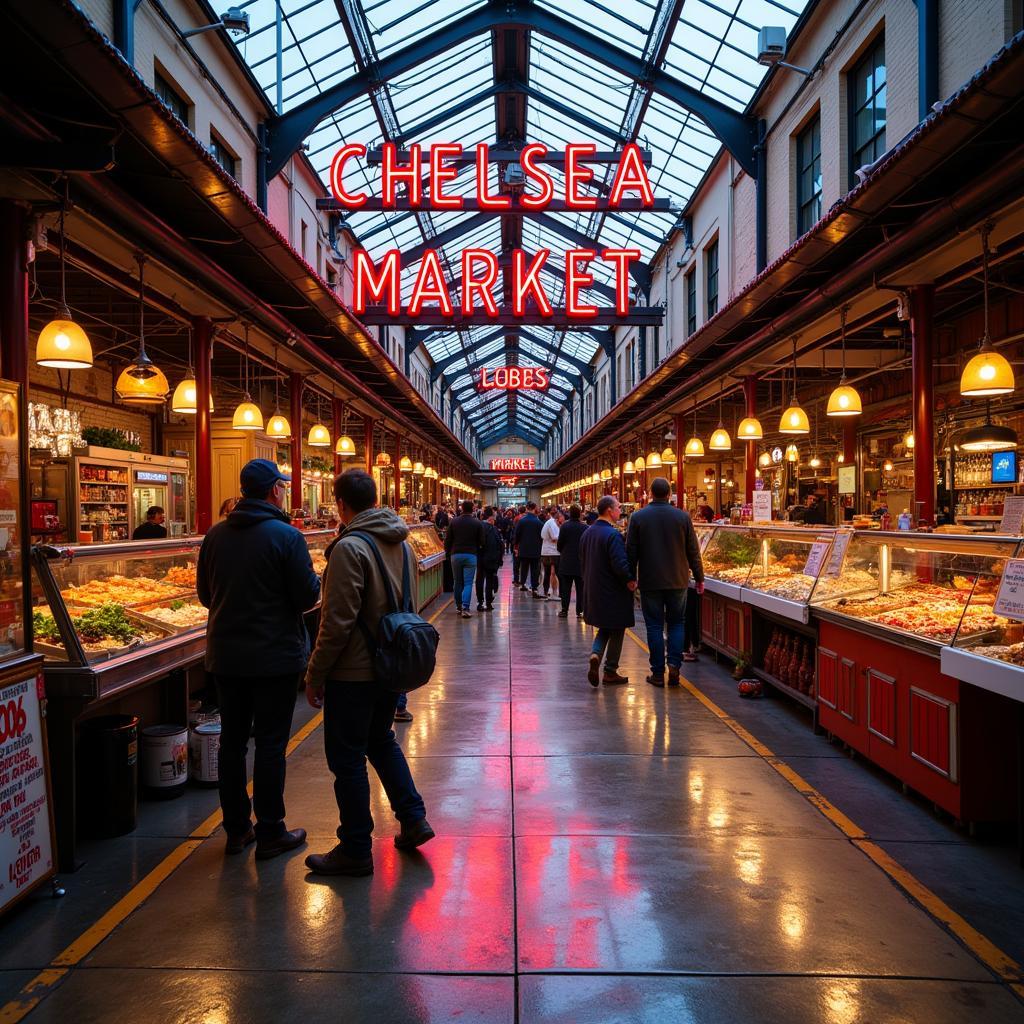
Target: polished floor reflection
pixel 616 855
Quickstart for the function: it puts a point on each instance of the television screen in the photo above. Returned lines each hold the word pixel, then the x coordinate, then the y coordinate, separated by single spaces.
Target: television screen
pixel 1004 467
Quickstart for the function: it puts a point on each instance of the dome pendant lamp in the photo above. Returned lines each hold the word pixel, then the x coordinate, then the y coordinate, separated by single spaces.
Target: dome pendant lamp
pixel 695 446
pixel 247 414
pixel 319 436
pixel 794 419
pixel 844 400
pixel 278 426
pixel 142 383
pixel 989 437
pixel 987 373
pixel 346 447
pixel 720 440
pixel 62 344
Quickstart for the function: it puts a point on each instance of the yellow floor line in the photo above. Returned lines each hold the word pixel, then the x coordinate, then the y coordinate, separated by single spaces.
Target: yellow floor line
pixel 1003 966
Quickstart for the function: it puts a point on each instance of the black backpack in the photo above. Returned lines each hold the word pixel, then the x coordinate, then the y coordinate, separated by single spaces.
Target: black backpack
pixel 405 647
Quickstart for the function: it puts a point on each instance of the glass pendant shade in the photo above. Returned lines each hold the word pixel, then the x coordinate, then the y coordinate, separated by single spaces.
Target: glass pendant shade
pixel 908 442
pixel 815 462
pixel 668 457
pixel 247 416
pixel 792 453
pixel 844 401
pixel 418 469
pixel 279 428
pixel 640 464
pixel 319 436
pixel 405 464
pixel 841 458
pixel 794 421
pixel 765 459
pixel 184 398
pixel 750 429
pixel 628 468
pixel 989 437
pixel 63 345
pixel 720 440
pixel 694 448
pixel 135 389
pixel 887 466
pixel 606 474
pixel 987 373
pixel 345 447
pixel 654 461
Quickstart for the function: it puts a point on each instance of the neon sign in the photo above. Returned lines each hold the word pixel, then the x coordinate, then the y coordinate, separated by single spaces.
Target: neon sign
pixel 514 465
pixel 515 378
pixel 381 283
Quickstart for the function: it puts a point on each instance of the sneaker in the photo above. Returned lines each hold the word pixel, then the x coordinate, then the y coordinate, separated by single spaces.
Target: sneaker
pixel 416 834
pixel 593 676
pixel 690 656
pixel 479 607
pixel 613 678
pixel 466 614
pixel 553 597
pixel 338 862
pixel 563 615
pixel 282 844
pixel 236 844
pixel 656 679
pixel 538 596
pixel 458 609
pixel 579 615
pixel 673 675
pixel 402 715
pixel 488 607
pixel 522 586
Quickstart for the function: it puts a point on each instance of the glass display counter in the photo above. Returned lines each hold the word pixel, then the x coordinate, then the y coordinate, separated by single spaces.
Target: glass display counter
pixel 109 616
pixel 317 541
pixel 428 547
pixel 728 554
pixel 786 566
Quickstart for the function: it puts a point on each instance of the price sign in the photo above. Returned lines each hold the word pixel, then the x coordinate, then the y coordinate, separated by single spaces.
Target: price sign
pixel 703 537
pixel 1010 600
pixel 1013 515
pixel 26 840
pixel 817 556
pixel 762 506
pixel 838 557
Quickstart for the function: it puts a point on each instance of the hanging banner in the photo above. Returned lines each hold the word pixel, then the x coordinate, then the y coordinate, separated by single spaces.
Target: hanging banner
pixel 26 822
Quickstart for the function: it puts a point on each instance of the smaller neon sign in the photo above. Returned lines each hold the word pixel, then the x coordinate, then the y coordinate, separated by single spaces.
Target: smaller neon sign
pixel 515 378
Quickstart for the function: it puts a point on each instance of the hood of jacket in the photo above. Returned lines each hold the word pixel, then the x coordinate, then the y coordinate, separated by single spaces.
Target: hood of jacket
pixel 383 524
pixel 250 511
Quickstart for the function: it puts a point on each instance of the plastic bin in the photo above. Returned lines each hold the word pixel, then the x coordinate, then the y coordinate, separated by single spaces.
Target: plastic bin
pixel 108 776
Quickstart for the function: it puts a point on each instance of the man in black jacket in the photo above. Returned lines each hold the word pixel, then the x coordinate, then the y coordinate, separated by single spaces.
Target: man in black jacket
pixel 462 544
pixel 663 550
pixel 569 569
pixel 527 542
pixel 491 557
pixel 255 575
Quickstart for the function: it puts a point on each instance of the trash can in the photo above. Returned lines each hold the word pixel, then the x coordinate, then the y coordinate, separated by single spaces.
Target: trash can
pixel 164 770
pixel 108 776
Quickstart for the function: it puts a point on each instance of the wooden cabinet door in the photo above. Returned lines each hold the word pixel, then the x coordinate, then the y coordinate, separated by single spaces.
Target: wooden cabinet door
pixel 933 732
pixel 828 677
pixel 846 689
pixel 882 706
pixel 733 638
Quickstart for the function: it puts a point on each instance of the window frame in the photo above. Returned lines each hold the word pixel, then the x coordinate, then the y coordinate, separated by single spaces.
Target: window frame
pixel 690 283
pixel 878 137
pixel 162 83
pixel 223 154
pixel 711 278
pixel 808 207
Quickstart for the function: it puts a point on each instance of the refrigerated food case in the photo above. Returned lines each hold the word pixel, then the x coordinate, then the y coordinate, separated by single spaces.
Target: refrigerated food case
pixel 428 548
pixel 887 616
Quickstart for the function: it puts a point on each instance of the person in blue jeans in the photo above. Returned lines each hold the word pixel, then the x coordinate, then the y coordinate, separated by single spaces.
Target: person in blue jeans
pixel 463 544
pixel 663 550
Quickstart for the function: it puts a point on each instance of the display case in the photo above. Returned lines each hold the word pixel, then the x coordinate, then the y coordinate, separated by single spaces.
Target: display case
pixel 786 566
pixel 107 617
pixel 924 588
pixel 317 541
pixel 728 555
pixel 429 551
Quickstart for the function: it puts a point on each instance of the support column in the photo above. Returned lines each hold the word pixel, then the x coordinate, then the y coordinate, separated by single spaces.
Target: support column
pixel 368 444
pixel 850 454
pixel 14 300
pixel 750 465
pixel 336 405
pixel 397 463
pixel 922 298
pixel 295 395
pixel 202 340
pixel 678 427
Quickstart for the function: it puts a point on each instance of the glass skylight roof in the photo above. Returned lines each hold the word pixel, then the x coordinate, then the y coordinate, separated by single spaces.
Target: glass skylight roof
pixel 569 98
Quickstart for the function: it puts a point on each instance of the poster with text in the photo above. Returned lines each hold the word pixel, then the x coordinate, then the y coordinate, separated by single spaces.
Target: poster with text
pixel 26 842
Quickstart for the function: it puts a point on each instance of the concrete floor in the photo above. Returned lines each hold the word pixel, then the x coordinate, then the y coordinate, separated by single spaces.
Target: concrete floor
pixel 609 856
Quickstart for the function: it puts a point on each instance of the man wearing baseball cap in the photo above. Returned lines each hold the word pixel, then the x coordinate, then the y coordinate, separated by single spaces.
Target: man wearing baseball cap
pixel 255 575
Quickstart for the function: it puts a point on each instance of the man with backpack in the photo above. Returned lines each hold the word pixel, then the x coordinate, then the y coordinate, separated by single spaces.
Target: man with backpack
pixel 367 566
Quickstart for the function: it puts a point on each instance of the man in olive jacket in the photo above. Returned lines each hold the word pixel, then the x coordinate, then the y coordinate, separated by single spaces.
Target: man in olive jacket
pixel 358 711
pixel 662 548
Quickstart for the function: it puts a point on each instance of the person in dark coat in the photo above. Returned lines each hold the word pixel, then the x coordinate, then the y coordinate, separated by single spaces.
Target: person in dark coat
pixel 462 543
pixel 569 571
pixel 663 550
pixel 491 556
pixel 608 586
pixel 527 542
pixel 255 575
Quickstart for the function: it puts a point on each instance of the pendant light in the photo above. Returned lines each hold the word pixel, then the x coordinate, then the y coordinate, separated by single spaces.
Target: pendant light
pixel 247 414
pixel 184 398
pixel 141 382
pixel 989 437
pixel 988 372
pixel 695 446
pixel 628 469
pixel 764 459
pixel 405 464
pixel 908 441
pixel 640 464
pixel 750 429
pixel 346 447
pixel 792 453
pixel 668 456
pixel 794 419
pixel 319 436
pixel 278 426
pixel 845 399
pixel 815 460
pixel 418 469
pixel 720 440
pixel 62 344
pixel 653 460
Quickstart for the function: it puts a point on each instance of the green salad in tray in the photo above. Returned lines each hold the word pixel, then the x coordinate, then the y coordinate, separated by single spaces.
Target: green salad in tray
pixel 106 626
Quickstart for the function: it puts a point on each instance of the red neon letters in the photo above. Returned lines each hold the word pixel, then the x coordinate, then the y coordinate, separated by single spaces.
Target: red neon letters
pixel 515 378
pixel 512 465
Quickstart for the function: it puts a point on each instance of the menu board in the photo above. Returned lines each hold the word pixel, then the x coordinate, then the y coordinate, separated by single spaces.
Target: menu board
pixel 26 839
pixel 762 506
pixel 1013 515
pixel 1010 599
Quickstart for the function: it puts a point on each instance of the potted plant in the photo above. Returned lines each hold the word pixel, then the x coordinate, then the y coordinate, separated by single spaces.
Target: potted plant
pixel 742 664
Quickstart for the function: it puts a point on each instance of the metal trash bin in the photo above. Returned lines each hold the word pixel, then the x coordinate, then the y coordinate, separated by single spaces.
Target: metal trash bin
pixel 107 780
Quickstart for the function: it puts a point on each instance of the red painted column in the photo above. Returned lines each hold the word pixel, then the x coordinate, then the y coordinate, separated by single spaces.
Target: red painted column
pixel 922 298
pixel 750 465
pixel 202 337
pixel 336 404
pixel 677 428
pixel 14 299
pixel 295 395
pixel 397 463
pixel 368 443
